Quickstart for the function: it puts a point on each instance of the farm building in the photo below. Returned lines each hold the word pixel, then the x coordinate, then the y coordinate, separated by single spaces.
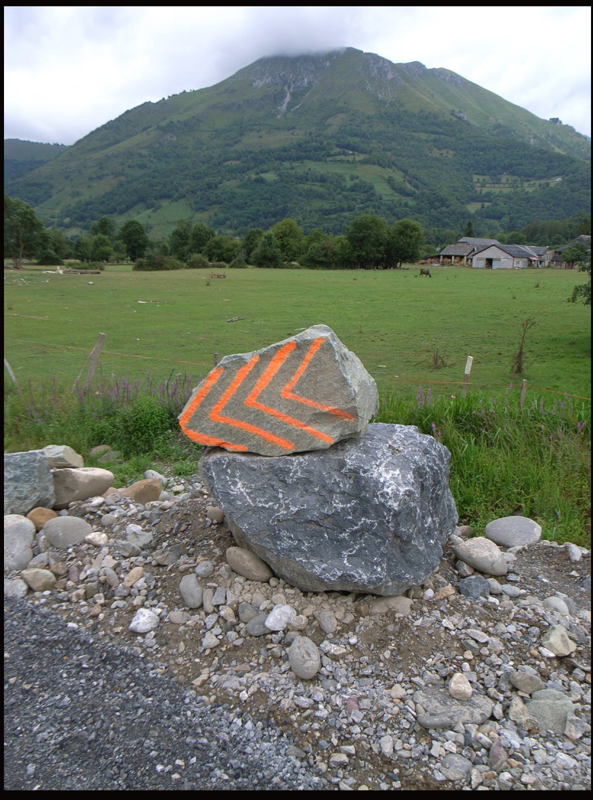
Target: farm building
pixel 505 256
pixel 462 251
pixel 556 258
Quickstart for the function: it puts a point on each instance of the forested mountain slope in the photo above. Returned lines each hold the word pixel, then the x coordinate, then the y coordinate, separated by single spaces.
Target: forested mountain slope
pixel 319 138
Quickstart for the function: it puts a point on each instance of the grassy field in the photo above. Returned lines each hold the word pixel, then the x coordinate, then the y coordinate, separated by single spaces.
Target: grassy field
pixel 505 459
pixel 401 326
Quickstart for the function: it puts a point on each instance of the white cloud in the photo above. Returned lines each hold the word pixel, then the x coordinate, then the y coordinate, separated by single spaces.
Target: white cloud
pixel 70 69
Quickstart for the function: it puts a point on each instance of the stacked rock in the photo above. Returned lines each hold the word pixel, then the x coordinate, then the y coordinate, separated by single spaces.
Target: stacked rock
pixel 328 501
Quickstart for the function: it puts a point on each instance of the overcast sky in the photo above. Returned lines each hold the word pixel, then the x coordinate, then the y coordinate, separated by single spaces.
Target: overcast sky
pixel 69 70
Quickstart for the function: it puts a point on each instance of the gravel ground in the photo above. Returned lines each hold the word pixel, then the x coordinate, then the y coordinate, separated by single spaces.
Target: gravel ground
pixel 85 715
pixel 204 700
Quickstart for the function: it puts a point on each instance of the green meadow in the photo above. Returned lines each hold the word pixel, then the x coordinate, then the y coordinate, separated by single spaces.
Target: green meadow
pixel 407 330
pixel 413 334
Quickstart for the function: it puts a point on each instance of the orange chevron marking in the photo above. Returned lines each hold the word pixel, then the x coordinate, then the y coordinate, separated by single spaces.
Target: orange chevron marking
pixel 216 416
pixel 272 369
pixel 290 395
pixel 199 437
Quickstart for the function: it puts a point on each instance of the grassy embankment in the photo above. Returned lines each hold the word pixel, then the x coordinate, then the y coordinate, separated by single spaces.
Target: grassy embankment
pixel 505 459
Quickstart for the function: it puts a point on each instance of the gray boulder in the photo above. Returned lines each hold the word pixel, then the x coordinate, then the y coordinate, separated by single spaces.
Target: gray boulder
pixel 300 394
pixel 513 531
pixel 370 514
pixel 60 456
pixel 28 482
pixel 79 484
pixel 19 533
pixel 63 532
pixel 550 708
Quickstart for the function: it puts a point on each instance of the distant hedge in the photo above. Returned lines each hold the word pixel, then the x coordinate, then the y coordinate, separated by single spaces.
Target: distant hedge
pixel 197 261
pixel 152 263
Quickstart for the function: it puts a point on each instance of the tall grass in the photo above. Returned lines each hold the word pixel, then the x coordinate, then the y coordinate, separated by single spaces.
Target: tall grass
pixel 507 460
pixel 137 418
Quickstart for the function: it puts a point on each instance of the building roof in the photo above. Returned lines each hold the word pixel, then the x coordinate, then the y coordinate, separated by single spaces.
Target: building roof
pixel 459 249
pixel 514 250
pixel 473 241
pixel 538 249
pixel 582 239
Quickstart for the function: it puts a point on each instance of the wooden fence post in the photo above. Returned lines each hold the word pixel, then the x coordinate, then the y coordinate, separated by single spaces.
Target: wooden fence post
pixel 523 393
pixel 94 360
pixel 468 369
pixel 10 372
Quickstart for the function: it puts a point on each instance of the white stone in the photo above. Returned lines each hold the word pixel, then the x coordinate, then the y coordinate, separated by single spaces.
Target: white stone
pixel 574 553
pixel 280 617
pixel 513 531
pixel 144 620
pixel 304 658
pixel 97 538
pixel 387 745
pixel 19 533
pixel 460 688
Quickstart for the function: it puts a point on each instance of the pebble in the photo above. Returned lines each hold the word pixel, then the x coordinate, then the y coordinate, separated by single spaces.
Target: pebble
pixel 279 618
pixel 473 587
pixel 204 569
pixel 459 687
pixel 558 641
pixel 304 658
pixel 248 564
pixel 351 694
pixel 482 554
pixel 191 592
pixel 144 621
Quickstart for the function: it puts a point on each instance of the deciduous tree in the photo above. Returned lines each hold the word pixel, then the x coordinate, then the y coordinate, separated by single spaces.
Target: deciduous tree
pixel 133 235
pixel 404 242
pixel 23 231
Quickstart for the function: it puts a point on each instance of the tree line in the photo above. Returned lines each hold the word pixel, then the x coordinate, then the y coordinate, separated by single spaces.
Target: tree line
pixel 368 243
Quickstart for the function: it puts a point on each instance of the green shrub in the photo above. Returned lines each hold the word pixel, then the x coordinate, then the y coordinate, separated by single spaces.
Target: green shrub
pixel 238 263
pixel 49 259
pixel 152 263
pixel 197 261
pixel 144 422
pixel 218 265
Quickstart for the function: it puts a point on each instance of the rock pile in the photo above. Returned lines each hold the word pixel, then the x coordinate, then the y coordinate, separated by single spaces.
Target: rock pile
pixel 431 689
pixel 364 509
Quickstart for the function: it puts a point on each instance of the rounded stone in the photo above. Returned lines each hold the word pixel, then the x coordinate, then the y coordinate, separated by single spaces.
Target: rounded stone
pixel 133 576
pixel 40 580
pixel 108 519
pixel 557 604
pixel 482 554
pixel 191 591
pixel 19 533
pixel 525 682
pixel 144 621
pixel 152 473
pixel 513 531
pixel 40 515
pixel 247 612
pixel 215 514
pixel 257 625
pixel 460 688
pixel 327 621
pixel 63 532
pixel 304 658
pixel 247 564
pixel 15 588
pixel 204 569
pixel 510 590
pixel 79 484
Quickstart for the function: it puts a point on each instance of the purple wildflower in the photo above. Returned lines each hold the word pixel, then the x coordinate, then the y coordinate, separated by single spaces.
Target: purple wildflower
pixel 420 398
